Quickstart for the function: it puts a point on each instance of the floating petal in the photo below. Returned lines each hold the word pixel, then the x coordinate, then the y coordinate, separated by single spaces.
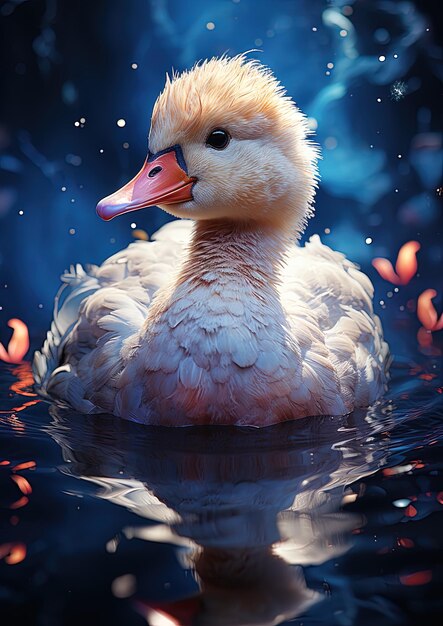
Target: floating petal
pixel 386 271
pixel 13 553
pixel 18 504
pixel 426 311
pixel 22 483
pixel 23 466
pixel 18 345
pixel 405 267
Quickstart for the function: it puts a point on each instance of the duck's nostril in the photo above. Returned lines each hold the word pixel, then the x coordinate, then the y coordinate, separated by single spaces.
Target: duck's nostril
pixel 154 171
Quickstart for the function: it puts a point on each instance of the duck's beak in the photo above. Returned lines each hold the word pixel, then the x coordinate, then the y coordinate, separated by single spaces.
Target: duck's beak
pixel 163 179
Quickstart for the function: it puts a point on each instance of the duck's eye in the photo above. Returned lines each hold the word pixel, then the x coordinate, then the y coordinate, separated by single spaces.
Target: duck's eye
pixel 218 139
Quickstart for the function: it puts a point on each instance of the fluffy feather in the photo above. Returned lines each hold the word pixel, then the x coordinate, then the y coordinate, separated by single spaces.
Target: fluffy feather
pixel 212 360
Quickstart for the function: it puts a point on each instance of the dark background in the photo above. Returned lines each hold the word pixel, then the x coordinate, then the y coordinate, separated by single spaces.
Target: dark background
pixel 66 60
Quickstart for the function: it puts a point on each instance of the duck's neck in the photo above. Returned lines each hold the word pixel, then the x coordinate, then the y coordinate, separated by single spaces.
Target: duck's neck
pixel 230 250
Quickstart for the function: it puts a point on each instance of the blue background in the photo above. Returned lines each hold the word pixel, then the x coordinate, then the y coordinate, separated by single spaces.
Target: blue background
pixel 63 61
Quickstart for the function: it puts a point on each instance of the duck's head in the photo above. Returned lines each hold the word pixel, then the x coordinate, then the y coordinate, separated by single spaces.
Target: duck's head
pixel 225 143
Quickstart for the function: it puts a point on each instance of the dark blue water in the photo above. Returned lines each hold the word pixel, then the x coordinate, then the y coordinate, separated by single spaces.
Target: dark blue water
pixel 322 521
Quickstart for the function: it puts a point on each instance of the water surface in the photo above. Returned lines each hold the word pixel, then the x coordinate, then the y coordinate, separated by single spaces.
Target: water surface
pixel 325 521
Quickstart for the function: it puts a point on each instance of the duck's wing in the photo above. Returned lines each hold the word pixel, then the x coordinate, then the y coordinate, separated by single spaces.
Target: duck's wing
pixel 328 301
pixel 96 310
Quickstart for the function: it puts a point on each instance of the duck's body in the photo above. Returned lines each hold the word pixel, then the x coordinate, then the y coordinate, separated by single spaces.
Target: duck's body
pixel 224 320
pixel 170 333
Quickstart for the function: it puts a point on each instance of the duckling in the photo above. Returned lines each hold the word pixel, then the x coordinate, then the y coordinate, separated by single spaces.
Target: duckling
pixel 223 318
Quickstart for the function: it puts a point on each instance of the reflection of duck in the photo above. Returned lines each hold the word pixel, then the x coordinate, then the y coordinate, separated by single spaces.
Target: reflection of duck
pixel 247 505
pixel 253 587
pixel 245 326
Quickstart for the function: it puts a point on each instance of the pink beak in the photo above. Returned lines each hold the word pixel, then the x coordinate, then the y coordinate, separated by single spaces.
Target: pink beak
pixel 161 180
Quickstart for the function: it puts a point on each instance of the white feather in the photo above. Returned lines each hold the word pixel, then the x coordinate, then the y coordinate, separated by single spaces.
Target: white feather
pixel 322 352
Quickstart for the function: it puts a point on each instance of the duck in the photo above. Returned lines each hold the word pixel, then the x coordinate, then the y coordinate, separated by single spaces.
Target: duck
pixel 222 318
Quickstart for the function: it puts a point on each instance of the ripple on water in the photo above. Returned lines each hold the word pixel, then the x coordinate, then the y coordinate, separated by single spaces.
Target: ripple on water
pixel 329 520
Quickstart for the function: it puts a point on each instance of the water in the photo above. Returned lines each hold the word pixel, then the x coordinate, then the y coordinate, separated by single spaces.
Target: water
pixel 328 521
